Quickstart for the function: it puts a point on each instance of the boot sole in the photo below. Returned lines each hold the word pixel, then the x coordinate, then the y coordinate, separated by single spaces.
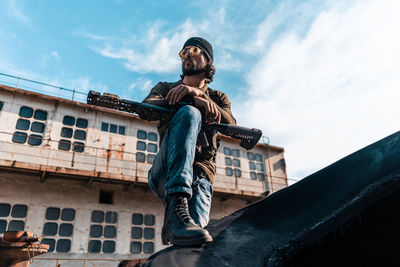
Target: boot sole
pixel 187 241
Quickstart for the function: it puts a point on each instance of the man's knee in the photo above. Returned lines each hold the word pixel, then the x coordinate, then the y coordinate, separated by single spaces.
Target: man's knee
pixel 188 115
pixel 190 112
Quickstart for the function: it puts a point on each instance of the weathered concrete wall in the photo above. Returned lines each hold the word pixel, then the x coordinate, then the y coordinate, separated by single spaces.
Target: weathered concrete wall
pixel 111 154
pixel 26 190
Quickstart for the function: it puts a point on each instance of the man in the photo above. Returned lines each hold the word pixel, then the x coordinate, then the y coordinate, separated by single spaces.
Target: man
pixel 183 171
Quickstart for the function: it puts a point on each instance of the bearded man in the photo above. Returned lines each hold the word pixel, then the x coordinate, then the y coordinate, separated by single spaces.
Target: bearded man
pixel 183 169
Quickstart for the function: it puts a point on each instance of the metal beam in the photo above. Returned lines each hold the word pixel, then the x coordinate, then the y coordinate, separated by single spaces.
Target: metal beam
pixel 129 186
pixel 43 175
pixel 89 182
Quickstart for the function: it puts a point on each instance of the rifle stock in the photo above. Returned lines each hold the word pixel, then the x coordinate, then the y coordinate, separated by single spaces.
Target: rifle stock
pixel 248 137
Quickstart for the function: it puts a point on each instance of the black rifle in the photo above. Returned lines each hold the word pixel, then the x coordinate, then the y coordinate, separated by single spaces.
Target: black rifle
pixel 248 137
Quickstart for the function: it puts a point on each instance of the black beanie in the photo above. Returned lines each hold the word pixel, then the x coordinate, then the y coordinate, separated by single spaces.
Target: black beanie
pixel 203 44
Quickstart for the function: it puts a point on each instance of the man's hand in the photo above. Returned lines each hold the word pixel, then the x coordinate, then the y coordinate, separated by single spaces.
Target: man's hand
pixel 209 109
pixel 177 93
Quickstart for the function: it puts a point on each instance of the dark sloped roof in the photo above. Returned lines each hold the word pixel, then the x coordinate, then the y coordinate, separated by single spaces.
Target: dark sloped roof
pixel 335 206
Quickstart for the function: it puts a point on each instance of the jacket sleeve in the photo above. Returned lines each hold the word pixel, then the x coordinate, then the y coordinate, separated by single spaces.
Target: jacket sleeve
pixel 157 95
pixel 224 106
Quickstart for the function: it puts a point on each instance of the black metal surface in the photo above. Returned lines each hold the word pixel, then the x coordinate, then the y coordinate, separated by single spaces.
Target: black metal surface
pixel 290 226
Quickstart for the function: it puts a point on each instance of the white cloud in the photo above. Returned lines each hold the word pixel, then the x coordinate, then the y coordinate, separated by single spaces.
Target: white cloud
pixel 84 84
pixel 55 55
pixel 226 61
pixel 143 85
pixel 332 91
pixel 50 58
pixel 147 86
pixel 156 50
pixel 17 14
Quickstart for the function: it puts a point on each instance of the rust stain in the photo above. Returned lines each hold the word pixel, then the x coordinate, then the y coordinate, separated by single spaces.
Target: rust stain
pixel 119 154
pixel 108 152
pixel 73 159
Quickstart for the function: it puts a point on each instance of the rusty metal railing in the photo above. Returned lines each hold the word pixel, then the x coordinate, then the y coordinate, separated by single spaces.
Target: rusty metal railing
pixel 41 87
pixel 95 160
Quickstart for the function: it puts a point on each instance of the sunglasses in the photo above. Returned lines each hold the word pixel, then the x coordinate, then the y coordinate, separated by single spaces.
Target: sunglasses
pixel 192 51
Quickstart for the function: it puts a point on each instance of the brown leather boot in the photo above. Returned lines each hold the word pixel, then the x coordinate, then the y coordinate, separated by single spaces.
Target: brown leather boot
pixel 179 228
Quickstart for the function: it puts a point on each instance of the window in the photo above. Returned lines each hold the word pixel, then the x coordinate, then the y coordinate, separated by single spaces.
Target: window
pixel 68 120
pixel 106 197
pixel 112 128
pixel 146 146
pixel 227 151
pixel 37 127
pixel 150 158
pixel 12 217
pixel 23 124
pixel 236 163
pixel 58 229
pixel 40 115
pixel 34 139
pixel 25 112
pixel 73 134
pixel 1 105
pixel 141 135
pixel 66 132
pixel 103 232
pixel 19 137
pixel 140 157
pixel 142 233
pixel 82 123
pixel 80 135
pixel 235 153
pixel 141 146
pixel 78 146
pixel 256 166
pixel 64 144
pixel 232 162
pixel 30 126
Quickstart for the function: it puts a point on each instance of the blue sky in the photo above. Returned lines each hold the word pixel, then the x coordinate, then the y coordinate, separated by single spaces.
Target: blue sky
pixel 320 78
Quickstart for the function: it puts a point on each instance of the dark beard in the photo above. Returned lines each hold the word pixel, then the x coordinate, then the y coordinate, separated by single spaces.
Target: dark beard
pixel 193 70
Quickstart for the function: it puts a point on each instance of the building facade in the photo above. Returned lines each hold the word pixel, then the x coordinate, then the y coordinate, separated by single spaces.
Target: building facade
pixel 76 175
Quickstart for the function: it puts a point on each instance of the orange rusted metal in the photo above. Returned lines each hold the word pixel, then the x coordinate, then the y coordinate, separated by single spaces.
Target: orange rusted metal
pixel 18 248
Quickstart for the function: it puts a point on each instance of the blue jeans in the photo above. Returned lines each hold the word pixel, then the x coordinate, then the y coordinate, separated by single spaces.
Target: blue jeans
pixel 172 170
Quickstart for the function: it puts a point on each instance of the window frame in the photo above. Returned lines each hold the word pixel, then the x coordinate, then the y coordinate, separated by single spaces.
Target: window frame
pixel 257 166
pixel 232 160
pixel 148 139
pixel 26 126
pixel 61 223
pixel 117 128
pixel 144 227
pixel 10 219
pixel 102 238
pixel 73 135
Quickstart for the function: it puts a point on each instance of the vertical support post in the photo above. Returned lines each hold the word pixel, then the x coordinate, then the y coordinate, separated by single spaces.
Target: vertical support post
pixel 269 171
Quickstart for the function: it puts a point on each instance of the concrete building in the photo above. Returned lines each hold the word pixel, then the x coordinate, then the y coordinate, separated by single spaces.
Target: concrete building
pixel 76 175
